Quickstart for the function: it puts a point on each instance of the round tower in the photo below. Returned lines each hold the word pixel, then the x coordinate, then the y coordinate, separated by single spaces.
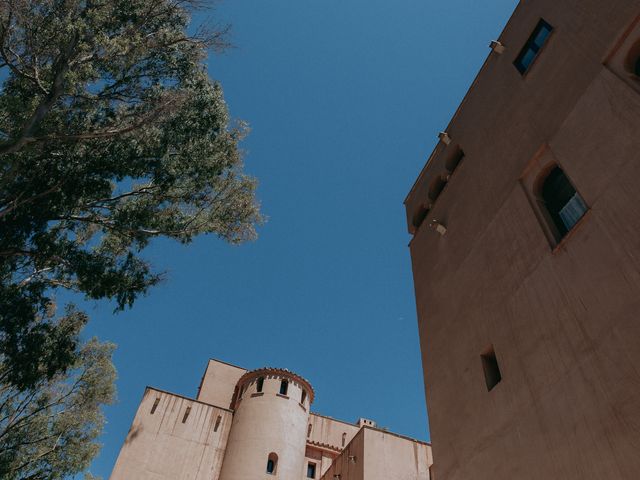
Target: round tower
pixel 269 428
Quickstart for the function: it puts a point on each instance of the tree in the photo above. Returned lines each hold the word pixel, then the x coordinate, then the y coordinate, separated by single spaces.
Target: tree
pixel 111 134
pixel 49 431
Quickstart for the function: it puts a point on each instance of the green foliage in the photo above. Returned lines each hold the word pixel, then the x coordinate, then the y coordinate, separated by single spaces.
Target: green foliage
pixel 111 134
pixel 49 431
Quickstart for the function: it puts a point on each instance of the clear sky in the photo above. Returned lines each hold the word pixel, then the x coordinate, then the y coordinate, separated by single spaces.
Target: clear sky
pixel 345 99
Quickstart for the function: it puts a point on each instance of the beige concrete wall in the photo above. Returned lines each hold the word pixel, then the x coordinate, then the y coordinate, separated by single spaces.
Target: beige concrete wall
pixel 562 319
pixel 219 382
pixel 266 422
pixel 377 455
pixel 391 457
pixel 160 446
pixel 329 431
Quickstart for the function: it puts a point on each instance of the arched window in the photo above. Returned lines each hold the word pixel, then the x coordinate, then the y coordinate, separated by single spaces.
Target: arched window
pixel 272 464
pixel 284 387
pixel 259 384
pixel 564 205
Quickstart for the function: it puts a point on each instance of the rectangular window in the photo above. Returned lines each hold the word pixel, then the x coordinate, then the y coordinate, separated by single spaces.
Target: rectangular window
pixel 284 387
pixel 491 369
pixel 533 46
pixel 311 470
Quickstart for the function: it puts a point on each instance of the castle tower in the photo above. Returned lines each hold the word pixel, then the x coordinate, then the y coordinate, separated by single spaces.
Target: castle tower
pixel 269 429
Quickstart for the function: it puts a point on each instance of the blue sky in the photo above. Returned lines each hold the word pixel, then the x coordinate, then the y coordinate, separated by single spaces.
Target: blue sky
pixel 345 99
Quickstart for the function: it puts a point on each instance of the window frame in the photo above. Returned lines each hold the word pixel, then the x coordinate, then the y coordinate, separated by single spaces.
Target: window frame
pixel 311 465
pixel 531 46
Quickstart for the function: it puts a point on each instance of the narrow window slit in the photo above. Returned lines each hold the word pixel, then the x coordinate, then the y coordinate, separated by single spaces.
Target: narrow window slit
pixel 186 414
pixel 272 463
pixel 155 405
pixel 491 369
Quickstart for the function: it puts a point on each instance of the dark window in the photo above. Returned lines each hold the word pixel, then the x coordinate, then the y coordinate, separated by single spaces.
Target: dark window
pixel 272 463
pixel 259 384
pixel 218 420
pixel 155 405
pixel 491 369
pixel 311 470
pixel 533 46
pixel 304 396
pixel 284 387
pixel 564 204
pixel 632 61
pixel 454 160
pixel 436 187
pixel 186 414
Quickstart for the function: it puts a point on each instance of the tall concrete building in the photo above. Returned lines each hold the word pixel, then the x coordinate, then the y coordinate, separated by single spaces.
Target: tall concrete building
pixel 248 425
pixel 526 253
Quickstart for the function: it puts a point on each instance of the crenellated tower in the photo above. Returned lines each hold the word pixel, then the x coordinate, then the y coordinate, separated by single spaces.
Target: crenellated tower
pixel 268 434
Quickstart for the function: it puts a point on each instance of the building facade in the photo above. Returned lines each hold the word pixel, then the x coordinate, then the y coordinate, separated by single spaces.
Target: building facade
pixel 525 250
pixel 248 425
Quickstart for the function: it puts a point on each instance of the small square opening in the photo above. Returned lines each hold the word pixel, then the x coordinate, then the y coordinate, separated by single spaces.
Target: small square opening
pixel 491 369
